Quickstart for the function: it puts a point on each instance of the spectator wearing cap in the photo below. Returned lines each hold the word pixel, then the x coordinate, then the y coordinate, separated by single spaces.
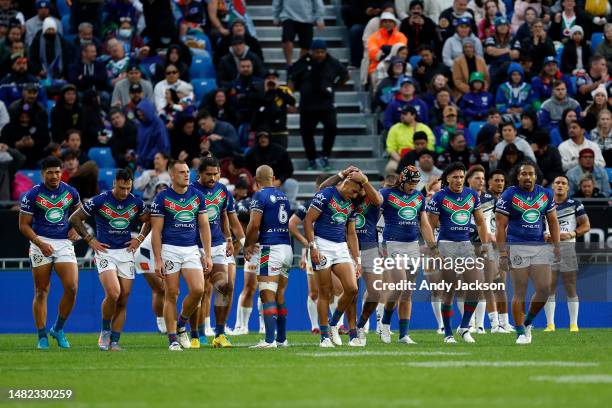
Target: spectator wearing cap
pixel 148 181
pixel 24 134
pixel 596 76
pixel 477 102
pixel 600 103
pixel 576 52
pixel 380 43
pixel 400 138
pixel 449 127
pixel 457 151
pixel 418 28
pixel 12 85
pixel 220 136
pixel 398 50
pixel 586 165
pixel 317 76
pixel 66 114
pixel 588 189
pixel 405 97
pixel 152 136
pixel 228 67
pixel 275 156
pixel 411 157
pixel 542 84
pixel 34 24
pixel 552 109
pixel 602 134
pixel 538 45
pixel 121 90
pixel 297 18
pixel 429 66
pixel 172 81
pixel 500 48
pixel 49 53
pixel 272 112
pixel 237 28
pixel 547 156
pixel 136 94
pixel 90 73
pixel 514 95
pixel 455 46
pixel 247 92
pixel 448 18
pixel 570 16
pixel 570 149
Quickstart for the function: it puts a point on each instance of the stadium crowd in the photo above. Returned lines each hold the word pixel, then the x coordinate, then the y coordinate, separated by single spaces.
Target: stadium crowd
pixel 490 82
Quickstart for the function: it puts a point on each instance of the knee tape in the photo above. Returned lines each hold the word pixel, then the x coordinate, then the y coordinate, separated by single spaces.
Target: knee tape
pixel 221 299
pixel 273 286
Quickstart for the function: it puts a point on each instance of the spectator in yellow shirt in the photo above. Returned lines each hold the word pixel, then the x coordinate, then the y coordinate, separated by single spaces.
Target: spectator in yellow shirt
pixel 400 139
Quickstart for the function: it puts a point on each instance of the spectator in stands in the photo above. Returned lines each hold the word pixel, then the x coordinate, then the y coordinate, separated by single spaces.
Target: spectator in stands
pixel 552 109
pixel 275 156
pixel 485 17
pixel 476 103
pixel 152 135
pixel 524 30
pixel 400 138
pixel 587 83
pixel 247 92
pixel 8 13
pixel 234 170
pixel 457 150
pixel 586 165
pixel 221 137
pixel 428 170
pixel 89 11
pixel 442 100
pixel 600 103
pixel 95 120
pixel 11 160
pixel 411 157
pixel 89 73
pixel 570 149
pixel 563 23
pixel 548 158
pixel 116 67
pixel 29 102
pixel 178 105
pixel 433 9
pixel 85 35
pixel 297 17
pixel 509 135
pixel 124 140
pixel 520 11
pixel 172 81
pixel 380 43
pixel 4 116
pixel 602 134
pixel 356 14
pixel 121 89
pixel 72 142
pixel 49 52
pixel 387 86
pixel 500 49
pixel 465 65
pixel 576 52
pixel 542 85
pixel 160 22
pixel 454 46
pixel 488 137
pixel 605 47
pixel 398 50
pixel 588 189
pixel 449 19
pixel 241 190
pixel 172 57
pixel 538 45
pixel 70 164
pixel 449 127
pixel 21 133
pixel 429 66
pixel 317 76
pixel 219 105
pixel 529 125
pixel 237 29
pixel 132 42
pixel 272 113
pixel 66 114
pixel 228 67
pixel 513 96
pixel 406 96
pixel 149 179
pixel 34 24
pixel 509 158
pixel 11 45
pixel 184 139
pixel 558 135
pixel 136 94
pixel 419 28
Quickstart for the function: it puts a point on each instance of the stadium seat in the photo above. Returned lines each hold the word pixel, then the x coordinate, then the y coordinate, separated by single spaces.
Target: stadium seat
pixel 559 52
pixel 596 39
pixel 63 8
pixel 106 178
pixel 414 60
pixel 473 129
pixel 33 175
pixel 103 156
pixel 203 86
pixel 202 66
pixel 193 175
pixel 609 170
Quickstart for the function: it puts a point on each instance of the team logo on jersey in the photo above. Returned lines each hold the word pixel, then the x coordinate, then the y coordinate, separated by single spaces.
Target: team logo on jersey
pixel 118 219
pixel 214 204
pixel 530 209
pixel 182 212
pixel 407 207
pixel 55 207
pixel 360 211
pixel 340 211
pixel 461 211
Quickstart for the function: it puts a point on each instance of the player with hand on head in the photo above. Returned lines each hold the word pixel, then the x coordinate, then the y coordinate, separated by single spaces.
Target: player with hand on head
pixel 267 239
pixel 520 213
pixel 178 217
pixel 43 220
pixel 114 212
pixel 573 222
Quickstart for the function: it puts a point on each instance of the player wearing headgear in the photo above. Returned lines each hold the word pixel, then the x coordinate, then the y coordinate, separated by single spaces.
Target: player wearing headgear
pixel 573 222
pixel 267 238
pixel 178 217
pixel 216 199
pixel 520 213
pixel 43 220
pixel 452 208
pixel 114 212
pixel 328 226
pixel 403 210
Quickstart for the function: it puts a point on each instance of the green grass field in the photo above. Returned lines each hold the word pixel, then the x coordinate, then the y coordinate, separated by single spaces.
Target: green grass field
pixel 556 370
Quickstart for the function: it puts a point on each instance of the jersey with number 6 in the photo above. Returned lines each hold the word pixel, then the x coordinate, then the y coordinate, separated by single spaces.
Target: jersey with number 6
pixel 275 209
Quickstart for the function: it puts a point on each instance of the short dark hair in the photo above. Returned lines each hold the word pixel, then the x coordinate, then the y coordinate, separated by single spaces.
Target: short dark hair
pixel 454 166
pixel 241 183
pixel 114 111
pixel 506 123
pixel 496 172
pixel 71 131
pixel 124 175
pixel 50 162
pixel 562 175
pixel 203 114
pixel 70 155
pixel 493 111
pixel 206 162
pixel 541 138
pixel 173 163
pixel 475 169
pixel 419 135
pixel 558 82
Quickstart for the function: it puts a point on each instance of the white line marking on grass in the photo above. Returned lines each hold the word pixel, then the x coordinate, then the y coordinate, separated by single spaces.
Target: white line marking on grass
pixel 576 379
pixel 461 364
pixel 381 353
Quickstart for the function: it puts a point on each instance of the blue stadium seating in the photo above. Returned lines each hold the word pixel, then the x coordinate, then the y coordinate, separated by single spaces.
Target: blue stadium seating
pixel 63 8
pixel 609 170
pixel 596 39
pixel 33 175
pixel 203 86
pixel 559 52
pixel 202 66
pixel 103 156
pixel 474 128
pixel 106 178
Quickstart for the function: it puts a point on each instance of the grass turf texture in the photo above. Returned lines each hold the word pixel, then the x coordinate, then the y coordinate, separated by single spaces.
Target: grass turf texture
pixel 492 372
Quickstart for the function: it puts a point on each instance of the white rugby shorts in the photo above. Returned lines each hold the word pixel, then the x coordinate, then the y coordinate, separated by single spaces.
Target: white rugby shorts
pixel 120 260
pixel 331 253
pixel 523 256
pixel 176 258
pixel 63 251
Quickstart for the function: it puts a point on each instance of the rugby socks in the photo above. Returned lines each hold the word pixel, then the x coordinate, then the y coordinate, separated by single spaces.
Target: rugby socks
pixel 219 329
pixel 207 323
pixel 182 321
pixel 549 310
pixel 403 327
pixel 260 309
pixel 504 319
pixel 494 320
pixel 270 312
pixel 436 306
pixel 520 330
pixel 387 314
pixel 313 315
pixel 530 316
pixel 460 305
pixel 59 323
pixel 379 311
pixel 352 334
pixel 115 337
pixel 468 311
pixel 42 332
pixel 106 325
pixel 194 334
pixel 246 315
pixel 335 318
pixel 172 338
pixel 447 314
pixel 481 309
pixel 202 330
pixel 573 306
pixel 281 323
pixel 324 332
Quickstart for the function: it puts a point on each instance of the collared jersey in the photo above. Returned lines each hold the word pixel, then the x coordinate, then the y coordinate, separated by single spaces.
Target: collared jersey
pixel 335 213
pixel 275 209
pixel 455 211
pixel 402 212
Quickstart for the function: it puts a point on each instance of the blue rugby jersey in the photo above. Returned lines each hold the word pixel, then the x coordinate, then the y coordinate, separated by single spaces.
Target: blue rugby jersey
pixel 335 212
pixel 366 218
pixel 455 211
pixel 402 212
pixel 217 200
pixel 275 209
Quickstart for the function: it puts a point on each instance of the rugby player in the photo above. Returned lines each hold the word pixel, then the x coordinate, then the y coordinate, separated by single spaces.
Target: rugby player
pixel 267 239
pixel 451 209
pixel 114 212
pixel 237 233
pixel 329 227
pixel 43 220
pixel 432 275
pixel 573 222
pixel 178 216
pixel 403 210
pixel 216 199
pixel 519 214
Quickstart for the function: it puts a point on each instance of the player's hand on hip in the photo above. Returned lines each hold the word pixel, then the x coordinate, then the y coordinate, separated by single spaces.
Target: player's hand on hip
pixel 46 249
pixel 97 246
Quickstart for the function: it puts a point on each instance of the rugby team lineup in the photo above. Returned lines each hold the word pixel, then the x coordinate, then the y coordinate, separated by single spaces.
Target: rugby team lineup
pixel 467 235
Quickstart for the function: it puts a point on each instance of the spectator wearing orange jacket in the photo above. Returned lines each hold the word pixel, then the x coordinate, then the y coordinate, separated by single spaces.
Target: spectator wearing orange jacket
pixel 380 43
